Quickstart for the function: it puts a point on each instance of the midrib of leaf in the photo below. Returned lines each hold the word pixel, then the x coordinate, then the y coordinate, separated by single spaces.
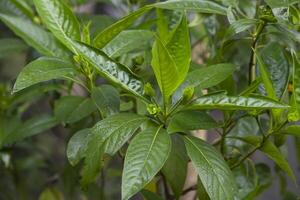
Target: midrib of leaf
pixel 61 30
pixel 162 81
pixel 220 183
pixel 106 136
pixel 150 149
pixel 119 127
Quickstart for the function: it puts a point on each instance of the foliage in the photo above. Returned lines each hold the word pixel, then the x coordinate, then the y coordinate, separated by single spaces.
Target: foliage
pixel 145 87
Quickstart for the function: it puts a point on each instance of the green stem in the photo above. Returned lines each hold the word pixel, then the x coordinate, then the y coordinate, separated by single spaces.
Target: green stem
pixel 252 63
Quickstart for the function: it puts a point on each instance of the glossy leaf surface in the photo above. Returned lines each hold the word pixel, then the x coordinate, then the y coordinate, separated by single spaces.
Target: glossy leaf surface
pixel 44 69
pixel 128 41
pixel 77 146
pixel 213 171
pixel 59 19
pixel 170 61
pixel 113 71
pixel 225 102
pixel 145 156
pixel 191 120
pixel 278 67
pixel 192 5
pixel 108 136
pixel 112 31
pixel 107 99
pixel 35 36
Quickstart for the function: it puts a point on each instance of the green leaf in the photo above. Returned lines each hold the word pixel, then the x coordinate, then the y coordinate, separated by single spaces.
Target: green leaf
pixel 243 135
pixel 207 77
pixel 150 195
pixel 284 3
pixel 264 73
pixel 191 120
pixel 11 45
pixel 171 61
pixel 35 36
pixel 108 136
pixel 70 109
pixel 278 67
pixel 50 194
pixel 213 171
pixel 273 153
pixel 77 146
pixel 59 19
pixel 112 31
pixel 128 41
pixel 201 192
pixel 107 99
pixel 113 71
pixel 241 26
pixel 193 5
pixel 225 102
pixel 43 69
pixel 24 7
pixel 178 157
pixel 294 112
pixel 165 69
pixel 145 156
pixel 293 130
pixel 179 47
pixel 32 127
pixel 16 7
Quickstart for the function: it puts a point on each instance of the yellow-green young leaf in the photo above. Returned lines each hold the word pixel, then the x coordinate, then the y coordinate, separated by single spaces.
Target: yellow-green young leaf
pixel 171 59
pixel 179 48
pixel 113 71
pixel 202 6
pixel 107 137
pixel 35 36
pixel 128 41
pixel 70 109
pixel 145 156
pixel 43 69
pixel 59 19
pixel 224 102
pixel 273 153
pixel 213 171
pixel 165 69
pixel 112 31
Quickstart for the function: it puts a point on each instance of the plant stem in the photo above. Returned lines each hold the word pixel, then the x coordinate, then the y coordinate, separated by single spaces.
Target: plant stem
pixel 252 63
pixel 265 138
